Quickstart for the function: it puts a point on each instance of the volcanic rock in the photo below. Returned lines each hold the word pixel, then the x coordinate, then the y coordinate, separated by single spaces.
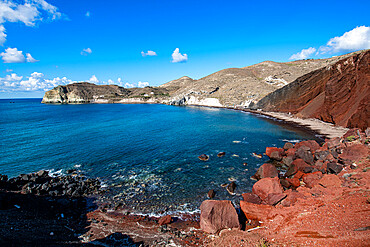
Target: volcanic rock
pixel 288 145
pixel 294 182
pixel 252 198
pixel 330 180
pixel 275 198
pixel 298 165
pixel 334 168
pixel 270 150
pixel 338 94
pixel 231 187
pixel 254 211
pixel 311 179
pixel 165 220
pixel 220 154
pixel 218 215
pixel 266 186
pixel 203 157
pixel 288 160
pixel 354 152
pixel 267 170
pixel 211 194
pixel 304 153
pixel 311 144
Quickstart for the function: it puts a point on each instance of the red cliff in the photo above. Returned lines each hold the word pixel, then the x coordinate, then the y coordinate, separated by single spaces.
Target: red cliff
pixel 338 93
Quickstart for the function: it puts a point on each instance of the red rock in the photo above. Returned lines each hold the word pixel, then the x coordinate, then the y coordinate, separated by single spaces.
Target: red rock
pixel 254 211
pixel 266 186
pixel 311 179
pixel 288 160
pixel 338 94
pixel 294 182
pixel 333 142
pixel 354 152
pixel 269 150
pixel 324 147
pixel 218 215
pixel 298 165
pixel 266 171
pixel 305 154
pixel 284 183
pixel 203 157
pixel 165 220
pixel 275 198
pixel 288 145
pixel 290 152
pixel 330 180
pixel 312 144
pixel 299 174
pixel 291 198
pixel 276 155
pixel 252 198
pixel 333 167
pixel 211 194
pixel 321 166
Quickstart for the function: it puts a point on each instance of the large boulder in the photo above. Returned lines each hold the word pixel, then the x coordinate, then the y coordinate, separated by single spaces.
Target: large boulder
pixel 254 211
pixel 274 152
pixel 266 186
pixel 252 198
pixel 329 181
pixel 218 215
pixel 266 171
pixel 305 154
pixel 311 144
pixel 298 165
pixel 311 179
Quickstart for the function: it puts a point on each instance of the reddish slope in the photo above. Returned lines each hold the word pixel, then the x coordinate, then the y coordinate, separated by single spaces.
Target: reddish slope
pixel 338 94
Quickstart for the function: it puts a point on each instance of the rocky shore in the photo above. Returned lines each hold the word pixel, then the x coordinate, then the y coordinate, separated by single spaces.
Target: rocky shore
pixel 307 194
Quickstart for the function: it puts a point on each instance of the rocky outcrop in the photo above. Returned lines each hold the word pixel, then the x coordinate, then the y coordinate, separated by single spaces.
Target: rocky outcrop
pixel 84 92
pixel 338 94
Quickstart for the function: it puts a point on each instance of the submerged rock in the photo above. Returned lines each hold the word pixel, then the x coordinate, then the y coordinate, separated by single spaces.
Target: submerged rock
pixel 203 157
pixel 211 194
pixel 221 154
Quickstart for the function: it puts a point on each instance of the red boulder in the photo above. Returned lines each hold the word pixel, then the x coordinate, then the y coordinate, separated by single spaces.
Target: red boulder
pixel 312 144
pixel 311 179
pixel 266 171
pixel 255 212
pixel 218 215
pixel 266 186
pixel 270 150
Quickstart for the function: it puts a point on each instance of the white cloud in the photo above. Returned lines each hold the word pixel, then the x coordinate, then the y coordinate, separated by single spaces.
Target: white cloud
pixel 142 84
pixel 93 79
pixel 148 53
pixel 129 85
pixel 9 70
pixel 29 13
pixel 177 57
pixel 30 59
pixel 356 39
pixel 305 53
pixel 35 82
pixel 86 51
pixel 87 14
pixel 12 55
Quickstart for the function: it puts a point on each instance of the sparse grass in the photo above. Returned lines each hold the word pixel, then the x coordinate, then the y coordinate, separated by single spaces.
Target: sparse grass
pixel 350 138
pixel 262 243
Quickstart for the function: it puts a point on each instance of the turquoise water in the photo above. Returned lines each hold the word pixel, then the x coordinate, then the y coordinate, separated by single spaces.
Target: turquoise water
pixel 148 152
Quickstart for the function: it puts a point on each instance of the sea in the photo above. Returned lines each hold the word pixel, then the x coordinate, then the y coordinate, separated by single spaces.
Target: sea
pixel 146 154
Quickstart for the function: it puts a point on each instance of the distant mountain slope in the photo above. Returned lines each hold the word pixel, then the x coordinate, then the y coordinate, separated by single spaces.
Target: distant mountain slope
pixel 241 86
pixel 338 93
pixel 84 92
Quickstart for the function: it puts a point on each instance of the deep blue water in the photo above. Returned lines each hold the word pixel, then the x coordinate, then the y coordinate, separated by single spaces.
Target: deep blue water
pixel 148 151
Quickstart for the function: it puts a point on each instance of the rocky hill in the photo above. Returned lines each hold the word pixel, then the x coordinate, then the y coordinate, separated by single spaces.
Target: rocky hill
pixel 338 93
pixel 241 86
pixel 84 92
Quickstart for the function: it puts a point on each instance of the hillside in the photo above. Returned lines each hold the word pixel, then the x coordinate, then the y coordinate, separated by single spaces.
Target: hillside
pixel 338 93
pixel 241 86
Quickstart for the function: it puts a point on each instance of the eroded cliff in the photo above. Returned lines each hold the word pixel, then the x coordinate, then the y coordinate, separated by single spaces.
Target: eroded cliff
pixel 338 93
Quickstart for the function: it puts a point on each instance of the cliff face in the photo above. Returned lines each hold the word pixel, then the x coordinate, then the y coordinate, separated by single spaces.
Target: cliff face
pixel 338 93
pixel 84 92
pixel 242 86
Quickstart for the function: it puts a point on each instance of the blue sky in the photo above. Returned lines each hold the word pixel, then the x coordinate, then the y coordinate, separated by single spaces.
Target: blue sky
pixel 214 35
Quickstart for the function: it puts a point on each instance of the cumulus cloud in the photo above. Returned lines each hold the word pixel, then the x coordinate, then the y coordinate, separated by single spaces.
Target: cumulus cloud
pixel 305 53
pixel 148 53
pixel 86 52
pixel 177 57
pixel 129 85
pixel 87 14
pixel 35 82
pixel 29 13
pixel 93 79
pixel 30 59
pixel 142 84
pixel 356 39
pixel 13 55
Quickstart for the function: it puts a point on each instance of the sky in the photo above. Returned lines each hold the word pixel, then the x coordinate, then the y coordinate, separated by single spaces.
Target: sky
pixel 45 43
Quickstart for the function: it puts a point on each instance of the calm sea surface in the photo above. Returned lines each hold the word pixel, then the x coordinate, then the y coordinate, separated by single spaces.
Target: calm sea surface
pixel 148 152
